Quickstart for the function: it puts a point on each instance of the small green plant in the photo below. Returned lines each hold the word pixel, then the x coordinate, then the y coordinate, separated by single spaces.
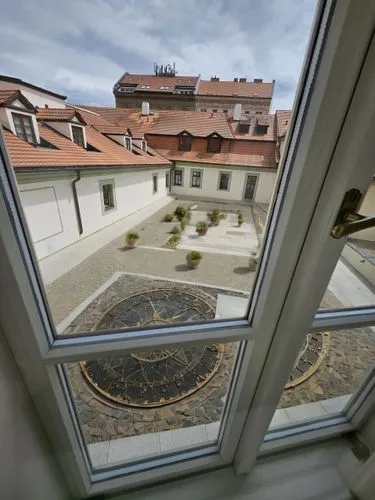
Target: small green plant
pixel 131 238
pixel 201 228
pixel 193 259
pixel 240 218
pixel 168 218
pixel 253 261
pixel 180 212
pixel 183 224
pixel 173 241
pixel 214 217
pixel 175 230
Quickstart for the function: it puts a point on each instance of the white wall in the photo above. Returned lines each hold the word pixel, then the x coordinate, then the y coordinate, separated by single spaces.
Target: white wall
pixel 27 465
pixel 36 97
pixel 49 207
pixel 210 182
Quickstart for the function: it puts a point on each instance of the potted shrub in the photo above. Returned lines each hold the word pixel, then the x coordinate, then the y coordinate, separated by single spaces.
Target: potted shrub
pixel 240 219
pixel 132 238
pixel 253 261
pixel 180 212
pixel 193 258
pixel 214 217
pixel 168 218
pixel 201 227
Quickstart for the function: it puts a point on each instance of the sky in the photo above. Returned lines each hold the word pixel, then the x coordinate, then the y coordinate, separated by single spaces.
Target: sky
pixel 80 48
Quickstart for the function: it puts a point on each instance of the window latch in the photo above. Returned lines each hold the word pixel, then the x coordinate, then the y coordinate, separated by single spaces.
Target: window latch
pixel 348 220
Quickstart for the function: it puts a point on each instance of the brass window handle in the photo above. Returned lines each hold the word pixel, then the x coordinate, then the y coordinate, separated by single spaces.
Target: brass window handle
pixel 348 220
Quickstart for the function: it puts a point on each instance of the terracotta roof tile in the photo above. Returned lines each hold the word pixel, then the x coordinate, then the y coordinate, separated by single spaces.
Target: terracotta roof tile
pixel 155 82
pixel 240 89
pixel 283 120
pixel 58 114
pixel 7 95
pixel 240 160
pixel 253 120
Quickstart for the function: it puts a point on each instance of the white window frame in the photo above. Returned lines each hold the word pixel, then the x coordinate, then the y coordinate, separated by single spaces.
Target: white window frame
pixel 83 129
pixel 224 172
pixel 182 176
pixel 323 169
pixel 128 140
pixel 155 186
pixel 200 170
pixel 108 209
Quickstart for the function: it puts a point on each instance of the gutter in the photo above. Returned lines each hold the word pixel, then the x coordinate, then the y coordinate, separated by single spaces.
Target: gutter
pixel 76 202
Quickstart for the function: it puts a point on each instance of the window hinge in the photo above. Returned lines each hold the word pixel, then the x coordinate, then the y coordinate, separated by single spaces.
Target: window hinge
pixel 348 220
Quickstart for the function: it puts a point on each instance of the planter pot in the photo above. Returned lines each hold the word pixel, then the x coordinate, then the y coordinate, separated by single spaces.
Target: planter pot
pixel 132 243
pixel 202 232
pixel 193 264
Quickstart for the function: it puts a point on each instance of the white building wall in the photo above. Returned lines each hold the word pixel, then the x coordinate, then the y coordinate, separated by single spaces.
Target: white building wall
pixel 210 183
pixel 37 98
pixel 50 212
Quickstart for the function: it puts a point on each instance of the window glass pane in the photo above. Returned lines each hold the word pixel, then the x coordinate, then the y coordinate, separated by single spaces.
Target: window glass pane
pixel 330 368
pixel 353 281
pixel 145 404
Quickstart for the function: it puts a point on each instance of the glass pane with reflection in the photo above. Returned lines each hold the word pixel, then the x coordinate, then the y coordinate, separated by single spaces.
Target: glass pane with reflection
pixel 144 404
pixel 330 368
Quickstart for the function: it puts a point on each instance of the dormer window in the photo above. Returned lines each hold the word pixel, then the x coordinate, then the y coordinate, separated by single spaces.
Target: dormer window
pixel 214 144
pixel 243 128
pixel 185 142
pixel 261 129
pixel 24 127
pixel 128 143
pixel 78 137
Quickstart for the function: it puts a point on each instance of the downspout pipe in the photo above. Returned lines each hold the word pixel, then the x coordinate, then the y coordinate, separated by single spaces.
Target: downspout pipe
pixel 76 202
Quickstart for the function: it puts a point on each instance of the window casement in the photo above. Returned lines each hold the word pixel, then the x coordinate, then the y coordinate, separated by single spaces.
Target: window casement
pixel 214 144
pixel 224 181
pixel 196 178
pixel 108 195
pixel 24 127
pixel 265 335
pixel 184 142
pixel 178 179
pixel 78 136
pixel 154 183
pixel 128 143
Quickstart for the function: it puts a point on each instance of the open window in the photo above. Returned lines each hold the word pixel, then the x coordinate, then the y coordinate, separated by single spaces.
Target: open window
pixel 115 355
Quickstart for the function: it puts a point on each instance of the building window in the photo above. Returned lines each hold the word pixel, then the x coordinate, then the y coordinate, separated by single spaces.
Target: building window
pixel 214 145
pixel 108 195
pixel 243 128
pixel 128 143
pixel 261 129
pixel 154 183
pixel 196 178
pixel 167 179
pixel 248 112
pixel 144 146
pixel 178 177
pixel 185 142
pixel 23 125
pixel 214 110
pixel 78 137
pixel 225 111
pixel 224 180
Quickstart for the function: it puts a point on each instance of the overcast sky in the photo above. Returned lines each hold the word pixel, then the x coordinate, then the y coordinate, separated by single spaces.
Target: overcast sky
pixel 82 47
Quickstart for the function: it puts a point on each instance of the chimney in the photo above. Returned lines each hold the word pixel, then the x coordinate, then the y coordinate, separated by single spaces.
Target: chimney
pixel 258 80
pixel 145 109
pixel 237 112
pixel 235 79
pixel 243 80
pixel 215 79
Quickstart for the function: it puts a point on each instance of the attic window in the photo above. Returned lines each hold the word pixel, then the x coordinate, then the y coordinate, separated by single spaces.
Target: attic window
pixel 261 129
pixel 78 137
pixel 164 88
pixel 184 143
pixel 243 128
pixel 128 143
pixel 214 144
pixel 24 127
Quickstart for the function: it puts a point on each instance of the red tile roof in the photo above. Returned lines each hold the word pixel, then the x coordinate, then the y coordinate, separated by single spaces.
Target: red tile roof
pixel 240 89
pixel 7 95
pixel 282 121
pixel 155 82
pixel 18 81
pixel 253 120
pixel 240 160
pixel 69 154
pixel 58 115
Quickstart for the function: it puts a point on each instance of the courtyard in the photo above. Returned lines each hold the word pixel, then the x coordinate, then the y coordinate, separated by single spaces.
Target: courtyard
pixel 119 287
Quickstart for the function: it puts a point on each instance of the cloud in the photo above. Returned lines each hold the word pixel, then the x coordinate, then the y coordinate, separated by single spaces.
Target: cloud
pixel 81 47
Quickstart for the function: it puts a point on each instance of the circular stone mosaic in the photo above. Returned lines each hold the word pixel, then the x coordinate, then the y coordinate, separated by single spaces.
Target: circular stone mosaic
pixel 309 358
pixel 155 378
